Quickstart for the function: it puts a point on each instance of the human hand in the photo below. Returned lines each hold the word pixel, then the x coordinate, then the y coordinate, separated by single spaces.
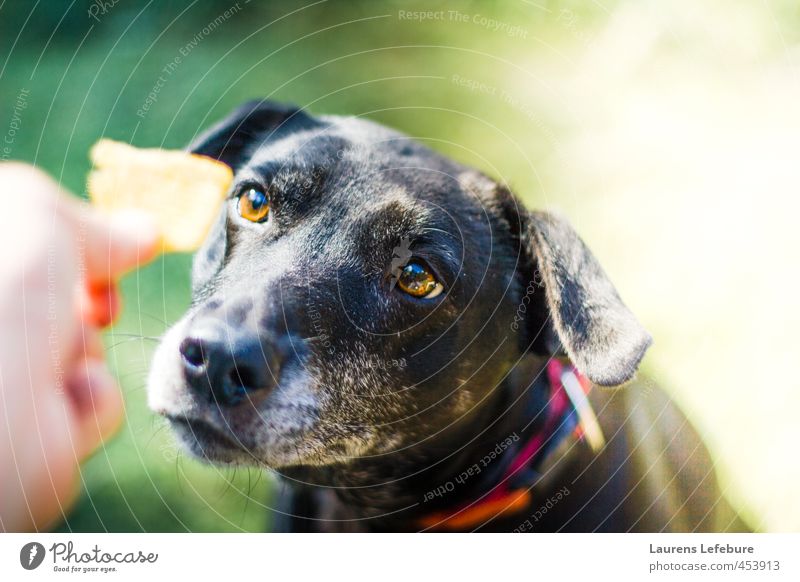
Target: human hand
pixel 58 401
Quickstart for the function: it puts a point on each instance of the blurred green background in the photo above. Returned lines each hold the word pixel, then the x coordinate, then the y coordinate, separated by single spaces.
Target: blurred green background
pixel 667 132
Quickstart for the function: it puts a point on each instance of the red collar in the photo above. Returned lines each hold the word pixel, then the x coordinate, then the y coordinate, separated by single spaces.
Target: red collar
pixel 568 414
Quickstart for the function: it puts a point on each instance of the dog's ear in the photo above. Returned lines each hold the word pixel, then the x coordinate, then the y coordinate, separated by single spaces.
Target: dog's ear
pixel 594 327
pixel 248 126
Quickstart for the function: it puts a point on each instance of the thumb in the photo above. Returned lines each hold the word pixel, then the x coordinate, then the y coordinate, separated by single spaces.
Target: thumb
pixel 112 244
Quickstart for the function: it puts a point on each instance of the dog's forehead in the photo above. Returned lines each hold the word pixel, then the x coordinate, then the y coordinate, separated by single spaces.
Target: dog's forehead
pixel 365 165
pixel 332 139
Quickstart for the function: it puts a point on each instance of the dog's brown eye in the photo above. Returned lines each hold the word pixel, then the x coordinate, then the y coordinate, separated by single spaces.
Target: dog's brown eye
pixel 417 281
pixel 254 205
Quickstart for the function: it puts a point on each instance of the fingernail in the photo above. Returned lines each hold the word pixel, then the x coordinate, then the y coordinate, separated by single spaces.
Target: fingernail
pixel 104 303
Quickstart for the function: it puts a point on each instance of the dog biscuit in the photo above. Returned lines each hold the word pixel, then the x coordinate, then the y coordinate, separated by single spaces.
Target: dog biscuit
pixel 183 192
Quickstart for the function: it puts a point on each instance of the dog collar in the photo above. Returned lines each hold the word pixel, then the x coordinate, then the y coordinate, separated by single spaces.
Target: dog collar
pixel 569 415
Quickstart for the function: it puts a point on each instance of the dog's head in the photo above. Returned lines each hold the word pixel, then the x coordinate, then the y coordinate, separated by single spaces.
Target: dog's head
pixel 360 294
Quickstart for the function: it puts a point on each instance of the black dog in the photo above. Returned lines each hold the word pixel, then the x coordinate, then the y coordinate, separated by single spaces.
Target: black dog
pixel 387 329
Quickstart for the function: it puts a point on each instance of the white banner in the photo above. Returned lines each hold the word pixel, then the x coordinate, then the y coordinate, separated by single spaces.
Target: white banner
pixel 380 557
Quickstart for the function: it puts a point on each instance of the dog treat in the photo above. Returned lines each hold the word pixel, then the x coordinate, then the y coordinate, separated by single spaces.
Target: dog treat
pixel 183 192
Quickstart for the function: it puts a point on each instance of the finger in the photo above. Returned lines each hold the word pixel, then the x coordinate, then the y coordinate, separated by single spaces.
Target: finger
pixel 112 244
pixel 96 403
pixel 109 245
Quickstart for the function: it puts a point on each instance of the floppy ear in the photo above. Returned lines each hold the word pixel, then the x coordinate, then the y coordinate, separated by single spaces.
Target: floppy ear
pixel 598 332
pixel 233 139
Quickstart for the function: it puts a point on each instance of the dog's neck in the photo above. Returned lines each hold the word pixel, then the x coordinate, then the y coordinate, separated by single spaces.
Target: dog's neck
pixel 437 475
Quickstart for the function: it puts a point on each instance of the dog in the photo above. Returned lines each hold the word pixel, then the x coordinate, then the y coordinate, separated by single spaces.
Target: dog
pixel 410 349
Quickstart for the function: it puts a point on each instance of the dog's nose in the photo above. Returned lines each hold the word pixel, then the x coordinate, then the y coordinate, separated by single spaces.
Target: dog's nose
pixel 225 364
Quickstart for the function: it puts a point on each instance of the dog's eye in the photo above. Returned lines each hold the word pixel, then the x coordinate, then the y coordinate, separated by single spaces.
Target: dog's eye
pixel 254 205
pixel 417 281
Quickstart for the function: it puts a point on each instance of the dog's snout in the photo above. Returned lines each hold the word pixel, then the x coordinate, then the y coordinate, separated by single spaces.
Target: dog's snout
pixel 225 364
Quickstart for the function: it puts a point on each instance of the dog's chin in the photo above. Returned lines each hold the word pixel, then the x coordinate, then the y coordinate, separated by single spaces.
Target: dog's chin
pixel 203 441
pixel 208 443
